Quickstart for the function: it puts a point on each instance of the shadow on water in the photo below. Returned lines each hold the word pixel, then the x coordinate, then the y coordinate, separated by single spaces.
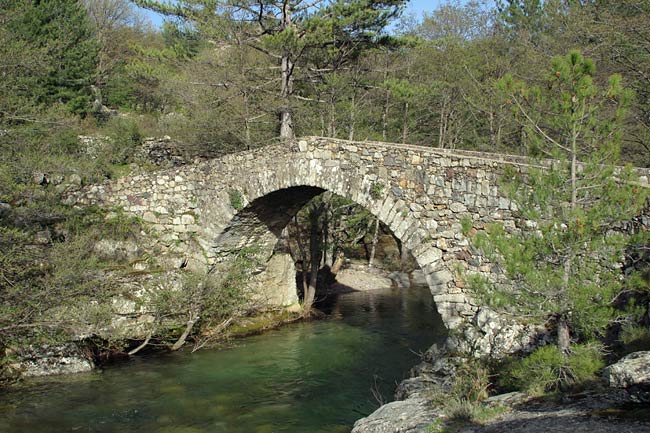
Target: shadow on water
pixel 311 377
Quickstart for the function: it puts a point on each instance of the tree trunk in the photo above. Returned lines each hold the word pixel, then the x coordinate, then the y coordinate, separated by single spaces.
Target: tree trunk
pixel 331 128
pixel 141 346
pixel 188 328
pixel 375 238
pixel 352 118
pixel 441 126
pixel 563 335
pixel 563 332
pixel 338 263
pixel 315 256
pixel 326 234
pixel 384 113
pixel 247 126
pixel 405 123
pixel 286 119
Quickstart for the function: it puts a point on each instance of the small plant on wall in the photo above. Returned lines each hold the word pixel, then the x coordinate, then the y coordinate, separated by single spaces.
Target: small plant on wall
pixel 376 189
pixel 236 199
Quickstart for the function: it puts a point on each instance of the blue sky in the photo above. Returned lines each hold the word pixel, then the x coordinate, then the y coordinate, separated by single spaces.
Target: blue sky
pixel 416 7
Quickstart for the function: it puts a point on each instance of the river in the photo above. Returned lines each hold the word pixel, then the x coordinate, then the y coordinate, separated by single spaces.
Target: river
pixel 313 377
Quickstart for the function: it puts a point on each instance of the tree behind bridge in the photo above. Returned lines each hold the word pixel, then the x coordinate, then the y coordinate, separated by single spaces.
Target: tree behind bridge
pixel 566 264
pixel 307 38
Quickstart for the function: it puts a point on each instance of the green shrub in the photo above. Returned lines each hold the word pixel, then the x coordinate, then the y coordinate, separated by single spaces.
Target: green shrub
pixel 472 382
pixel 126 137
pixel 236 199
pixel 547 369
pixel 466 224
pixel 635 338
pixel 376 190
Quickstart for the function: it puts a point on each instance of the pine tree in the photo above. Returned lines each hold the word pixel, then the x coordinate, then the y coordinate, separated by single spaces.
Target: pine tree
pixel 314 37
pixel 59 29
pixel 566 264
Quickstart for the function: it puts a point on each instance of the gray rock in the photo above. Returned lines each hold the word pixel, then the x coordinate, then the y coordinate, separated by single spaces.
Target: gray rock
pixel 95 145
pixel 39 178
pixel 418 278
pixel 509 399
pixel 633 374
pixel 44 237
pixel 48 360
pixel 409 416
pixel 362 279
pixel 401 279
pixel 163 152
pixel 110 249
pixel 74 179
pixel 497 336
pixel 5 208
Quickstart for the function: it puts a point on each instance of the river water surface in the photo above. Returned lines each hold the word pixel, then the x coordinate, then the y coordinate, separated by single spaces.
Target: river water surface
pixel 313 377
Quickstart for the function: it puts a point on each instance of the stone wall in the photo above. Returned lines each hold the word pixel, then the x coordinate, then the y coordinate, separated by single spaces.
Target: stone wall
pixel 202 214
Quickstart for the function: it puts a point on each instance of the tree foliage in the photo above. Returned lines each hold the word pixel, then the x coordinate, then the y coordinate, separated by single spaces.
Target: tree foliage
pixel 59 33
pixel 566 262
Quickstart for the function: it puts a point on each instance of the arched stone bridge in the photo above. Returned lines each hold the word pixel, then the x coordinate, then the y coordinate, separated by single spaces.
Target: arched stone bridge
pixel 207 211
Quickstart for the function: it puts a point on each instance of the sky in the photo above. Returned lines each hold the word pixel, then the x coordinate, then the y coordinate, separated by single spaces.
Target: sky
pixel 416 7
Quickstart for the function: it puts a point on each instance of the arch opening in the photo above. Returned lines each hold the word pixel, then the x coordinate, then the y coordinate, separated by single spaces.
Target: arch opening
pixel 271 222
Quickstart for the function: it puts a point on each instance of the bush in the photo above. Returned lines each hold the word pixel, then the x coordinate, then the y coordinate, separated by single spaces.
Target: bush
pixel 547 369
pixel 126 137
pixel 376 190
pixel 472 382
pixel 635 338
pixel 236 199
pixel 463 402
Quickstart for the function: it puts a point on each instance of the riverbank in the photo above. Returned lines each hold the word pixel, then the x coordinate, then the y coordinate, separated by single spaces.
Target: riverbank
pixel 426 403
pixel 308 377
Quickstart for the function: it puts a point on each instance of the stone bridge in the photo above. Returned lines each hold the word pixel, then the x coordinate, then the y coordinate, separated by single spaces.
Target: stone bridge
pixel 430 198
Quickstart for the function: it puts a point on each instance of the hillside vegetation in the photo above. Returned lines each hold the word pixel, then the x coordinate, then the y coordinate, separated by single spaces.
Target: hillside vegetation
pixel 563 79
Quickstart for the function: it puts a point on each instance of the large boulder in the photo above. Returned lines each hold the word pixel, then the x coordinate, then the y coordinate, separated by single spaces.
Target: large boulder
pixel 46 360
pixel 631 373
pixel 116 250
pixel 276 285
pixel 415 415
pixel 362 279
pixel 490 334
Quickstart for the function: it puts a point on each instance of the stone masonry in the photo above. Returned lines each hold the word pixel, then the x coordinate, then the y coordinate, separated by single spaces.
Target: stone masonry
pixel 203 214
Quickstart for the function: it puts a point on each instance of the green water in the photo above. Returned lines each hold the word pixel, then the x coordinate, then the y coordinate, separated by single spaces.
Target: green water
pixel 303 378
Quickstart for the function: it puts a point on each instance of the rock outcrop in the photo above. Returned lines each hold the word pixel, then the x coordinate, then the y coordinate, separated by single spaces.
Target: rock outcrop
pixel 631 373
pixel 492 335
pixel 51 359
pixel 414 415
pixel 362 279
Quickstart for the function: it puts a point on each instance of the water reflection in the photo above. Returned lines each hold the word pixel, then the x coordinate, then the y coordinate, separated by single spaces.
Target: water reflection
pixel 307 377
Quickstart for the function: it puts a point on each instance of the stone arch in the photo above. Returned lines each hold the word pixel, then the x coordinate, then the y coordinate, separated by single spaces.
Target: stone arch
pixel 270 202
pixel 424 195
